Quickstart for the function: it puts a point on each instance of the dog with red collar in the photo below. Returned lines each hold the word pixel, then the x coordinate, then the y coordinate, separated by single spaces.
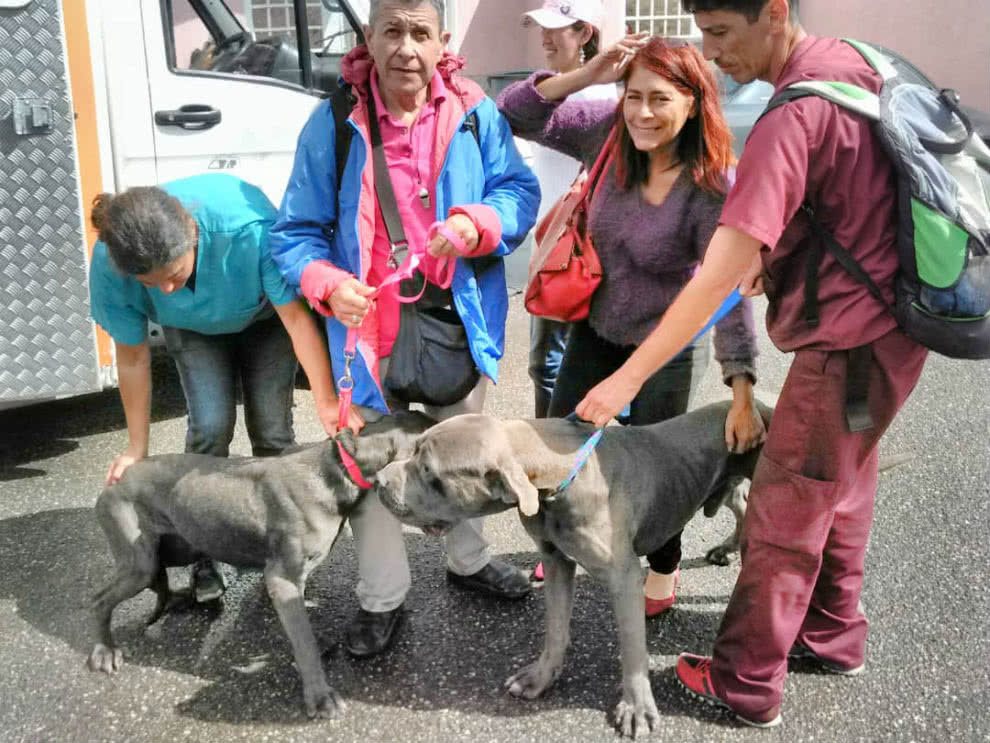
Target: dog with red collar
pixel 279 514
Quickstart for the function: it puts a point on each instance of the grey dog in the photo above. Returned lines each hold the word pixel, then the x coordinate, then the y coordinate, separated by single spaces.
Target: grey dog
pixel 639 488
pixel 281 514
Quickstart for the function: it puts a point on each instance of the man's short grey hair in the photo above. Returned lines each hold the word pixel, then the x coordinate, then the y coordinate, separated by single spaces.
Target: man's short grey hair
pixel 376 6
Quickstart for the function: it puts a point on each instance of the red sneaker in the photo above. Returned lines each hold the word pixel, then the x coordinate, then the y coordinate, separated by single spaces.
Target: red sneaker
pixel 656 607
pixel 695 674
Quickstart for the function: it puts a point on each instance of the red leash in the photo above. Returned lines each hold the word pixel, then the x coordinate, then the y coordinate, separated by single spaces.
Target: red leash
pixel 352 468
pixel 345 385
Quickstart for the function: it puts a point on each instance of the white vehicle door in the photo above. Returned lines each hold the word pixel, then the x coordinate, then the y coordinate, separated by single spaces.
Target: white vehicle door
pixel 230 84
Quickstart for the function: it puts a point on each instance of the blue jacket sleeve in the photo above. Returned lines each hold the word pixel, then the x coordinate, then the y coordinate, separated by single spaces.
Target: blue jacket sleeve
pixel 511 188
pixel 308 213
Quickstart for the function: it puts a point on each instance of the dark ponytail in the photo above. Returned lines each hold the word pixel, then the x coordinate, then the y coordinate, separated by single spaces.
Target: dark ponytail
pixel 98 216
pixel 144 228
pixel 591 46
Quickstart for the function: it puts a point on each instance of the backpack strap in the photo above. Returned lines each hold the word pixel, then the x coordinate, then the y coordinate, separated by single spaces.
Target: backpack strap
pixel 471 124
pixel 342 102
pixel 787 95
pixel 859 359
pixel 482 262
pixel 857 407
pixel 858 100
pixel 827 241
pixel 849 96
pixel 874 58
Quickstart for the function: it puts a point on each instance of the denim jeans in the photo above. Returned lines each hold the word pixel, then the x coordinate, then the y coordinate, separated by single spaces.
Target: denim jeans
pixel 589 359
pixel 547 340
pixel 261 359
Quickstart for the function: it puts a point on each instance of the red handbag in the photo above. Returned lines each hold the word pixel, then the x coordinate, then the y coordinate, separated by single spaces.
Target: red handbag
pixel 564 270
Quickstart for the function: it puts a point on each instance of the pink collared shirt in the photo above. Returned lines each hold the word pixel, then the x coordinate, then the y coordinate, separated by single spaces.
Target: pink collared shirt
pixel 408 153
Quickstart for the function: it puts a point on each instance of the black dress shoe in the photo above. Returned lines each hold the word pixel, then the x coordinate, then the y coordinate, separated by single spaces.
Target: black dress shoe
pixel 497 578
pixel 371 632
pixel 207 582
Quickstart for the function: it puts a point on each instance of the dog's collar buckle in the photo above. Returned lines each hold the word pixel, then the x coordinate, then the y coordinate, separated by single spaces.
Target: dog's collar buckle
pixel 352 467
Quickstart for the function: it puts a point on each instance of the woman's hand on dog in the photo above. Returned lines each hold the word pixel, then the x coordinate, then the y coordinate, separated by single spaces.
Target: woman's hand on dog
pixel 119 465
pixel 744 427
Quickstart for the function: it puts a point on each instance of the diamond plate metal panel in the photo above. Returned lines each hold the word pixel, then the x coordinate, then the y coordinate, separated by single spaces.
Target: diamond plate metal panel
pixel 47 342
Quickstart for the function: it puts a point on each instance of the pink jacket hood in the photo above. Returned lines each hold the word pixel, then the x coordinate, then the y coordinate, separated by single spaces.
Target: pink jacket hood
pixel 356 68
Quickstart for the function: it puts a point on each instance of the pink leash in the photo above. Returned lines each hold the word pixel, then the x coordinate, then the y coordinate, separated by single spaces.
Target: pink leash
pixel 345 385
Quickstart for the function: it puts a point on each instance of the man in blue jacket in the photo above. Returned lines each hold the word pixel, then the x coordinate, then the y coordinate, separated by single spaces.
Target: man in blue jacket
pixel 330 241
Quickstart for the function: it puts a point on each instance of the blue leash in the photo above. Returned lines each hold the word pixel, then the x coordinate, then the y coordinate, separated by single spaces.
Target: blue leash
pixel 582 456
pixel 589 446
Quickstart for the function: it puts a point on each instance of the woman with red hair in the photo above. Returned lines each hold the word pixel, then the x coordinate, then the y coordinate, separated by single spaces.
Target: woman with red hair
pixel 652 214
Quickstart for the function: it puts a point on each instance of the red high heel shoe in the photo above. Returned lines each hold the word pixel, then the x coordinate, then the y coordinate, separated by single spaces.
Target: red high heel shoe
pixel 538 576
pixel 656 607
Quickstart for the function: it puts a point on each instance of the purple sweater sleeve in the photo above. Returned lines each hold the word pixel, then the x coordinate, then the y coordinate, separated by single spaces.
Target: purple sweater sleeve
pixel 576 128
pixel 735 334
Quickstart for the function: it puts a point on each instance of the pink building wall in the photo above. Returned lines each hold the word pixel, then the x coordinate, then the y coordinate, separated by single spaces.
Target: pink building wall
pixel 492 38
pixel 949 40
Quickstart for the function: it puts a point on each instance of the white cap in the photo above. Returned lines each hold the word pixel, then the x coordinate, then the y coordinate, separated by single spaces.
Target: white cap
pixel 561 13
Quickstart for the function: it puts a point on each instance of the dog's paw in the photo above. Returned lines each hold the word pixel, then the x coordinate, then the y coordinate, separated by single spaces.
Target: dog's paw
pixel 532 680
pixel 105 659
pixel 719 555
pixel 323 704
pixel 637 714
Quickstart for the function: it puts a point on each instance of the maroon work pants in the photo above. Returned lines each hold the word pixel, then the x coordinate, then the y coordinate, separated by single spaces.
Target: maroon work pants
pixel 807 524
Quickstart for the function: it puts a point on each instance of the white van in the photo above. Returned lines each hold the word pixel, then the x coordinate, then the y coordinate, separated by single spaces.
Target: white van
pixel 101 95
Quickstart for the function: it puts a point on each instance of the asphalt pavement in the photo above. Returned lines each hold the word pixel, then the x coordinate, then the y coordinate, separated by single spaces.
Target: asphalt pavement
pixel 227 675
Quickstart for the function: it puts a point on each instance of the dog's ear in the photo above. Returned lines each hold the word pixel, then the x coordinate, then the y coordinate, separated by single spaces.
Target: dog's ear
pixel 516 488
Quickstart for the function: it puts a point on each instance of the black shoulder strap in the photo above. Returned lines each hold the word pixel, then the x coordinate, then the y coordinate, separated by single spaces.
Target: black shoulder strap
pixel 471 123
pixel 387 204
pixel 842 256
pixel 785 96
pixel 342 103
pixel 826 240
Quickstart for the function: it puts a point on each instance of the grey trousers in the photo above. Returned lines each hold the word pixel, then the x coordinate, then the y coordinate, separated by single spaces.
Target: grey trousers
pixel 383 566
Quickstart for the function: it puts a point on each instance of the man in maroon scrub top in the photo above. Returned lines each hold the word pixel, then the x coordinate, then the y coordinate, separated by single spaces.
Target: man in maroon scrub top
pixel 811 502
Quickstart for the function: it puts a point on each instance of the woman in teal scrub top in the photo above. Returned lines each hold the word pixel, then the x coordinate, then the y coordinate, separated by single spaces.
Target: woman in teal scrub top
pixel 192 255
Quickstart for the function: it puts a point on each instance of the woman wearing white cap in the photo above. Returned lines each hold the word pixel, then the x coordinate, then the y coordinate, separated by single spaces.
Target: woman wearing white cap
pixel 571 32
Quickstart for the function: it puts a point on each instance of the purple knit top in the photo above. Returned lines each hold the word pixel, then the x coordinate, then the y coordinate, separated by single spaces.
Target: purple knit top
pixel 648 252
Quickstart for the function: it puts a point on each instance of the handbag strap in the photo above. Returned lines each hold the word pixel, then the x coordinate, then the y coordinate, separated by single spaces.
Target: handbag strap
pixel 601 163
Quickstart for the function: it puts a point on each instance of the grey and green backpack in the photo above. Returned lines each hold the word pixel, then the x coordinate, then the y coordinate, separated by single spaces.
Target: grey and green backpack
pixel 942 289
